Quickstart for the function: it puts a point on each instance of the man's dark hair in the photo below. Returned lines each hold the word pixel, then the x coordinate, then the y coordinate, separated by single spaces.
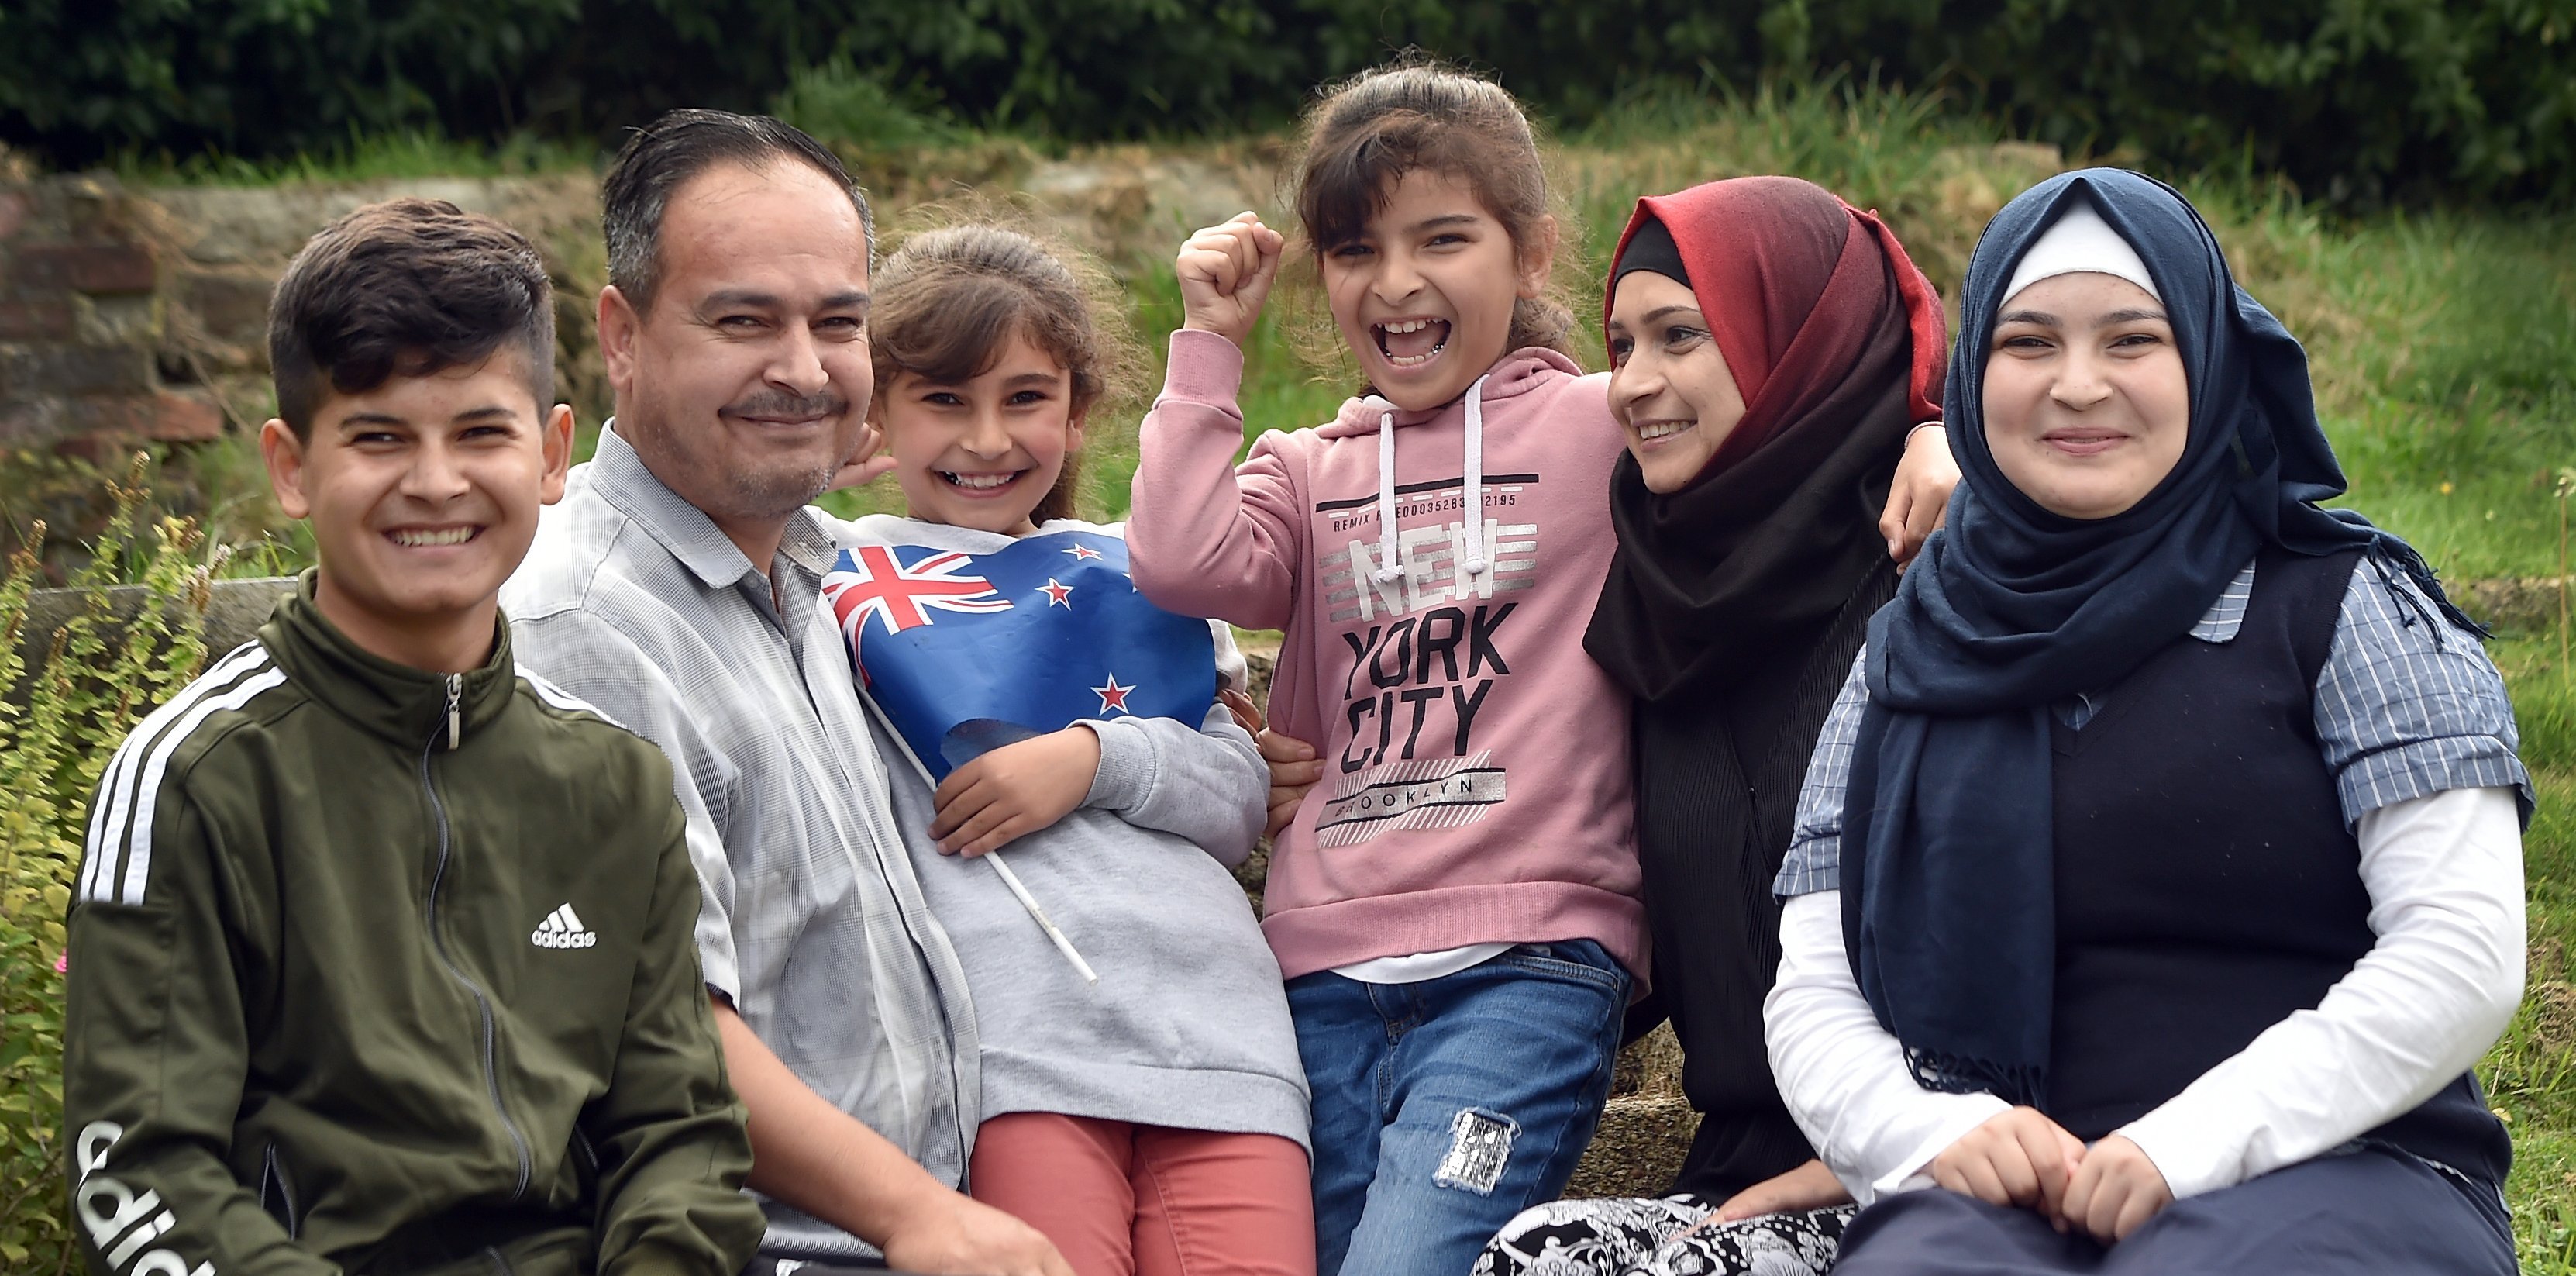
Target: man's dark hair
pixel 405 288
pixel 662 156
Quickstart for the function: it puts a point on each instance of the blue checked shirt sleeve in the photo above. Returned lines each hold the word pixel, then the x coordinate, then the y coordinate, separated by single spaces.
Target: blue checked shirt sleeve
pixel 1815 859
pixel 2409 705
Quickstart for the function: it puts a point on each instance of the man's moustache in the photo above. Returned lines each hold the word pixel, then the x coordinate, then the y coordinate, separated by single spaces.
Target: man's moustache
pixel 790 408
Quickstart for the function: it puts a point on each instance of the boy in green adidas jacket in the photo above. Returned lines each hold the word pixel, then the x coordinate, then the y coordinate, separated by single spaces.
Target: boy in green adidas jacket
pixel 380 953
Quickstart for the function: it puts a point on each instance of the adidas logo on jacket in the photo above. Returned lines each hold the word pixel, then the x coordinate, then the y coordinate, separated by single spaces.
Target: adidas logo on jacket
pixel 561 929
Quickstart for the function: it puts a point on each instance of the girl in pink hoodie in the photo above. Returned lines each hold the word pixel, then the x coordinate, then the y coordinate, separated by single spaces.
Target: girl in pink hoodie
pixel 1455 905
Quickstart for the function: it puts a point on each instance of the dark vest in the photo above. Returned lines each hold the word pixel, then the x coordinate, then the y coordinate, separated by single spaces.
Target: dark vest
pixel 2207 887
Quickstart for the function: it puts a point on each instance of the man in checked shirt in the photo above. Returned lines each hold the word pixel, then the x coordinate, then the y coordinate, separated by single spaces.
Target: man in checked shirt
pixel 677 587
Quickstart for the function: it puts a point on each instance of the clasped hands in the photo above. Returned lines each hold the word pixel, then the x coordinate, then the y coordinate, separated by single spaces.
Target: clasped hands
pixel 2021 1158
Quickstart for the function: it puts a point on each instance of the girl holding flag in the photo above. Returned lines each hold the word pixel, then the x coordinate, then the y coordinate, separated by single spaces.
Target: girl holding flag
pixel 1152 1120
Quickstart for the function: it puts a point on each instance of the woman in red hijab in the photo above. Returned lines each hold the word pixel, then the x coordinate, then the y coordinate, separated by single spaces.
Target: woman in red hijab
pixel 1773 353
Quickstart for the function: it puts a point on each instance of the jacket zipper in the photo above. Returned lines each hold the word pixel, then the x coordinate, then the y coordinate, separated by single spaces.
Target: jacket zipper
pixel 438 942
pixel 273 1173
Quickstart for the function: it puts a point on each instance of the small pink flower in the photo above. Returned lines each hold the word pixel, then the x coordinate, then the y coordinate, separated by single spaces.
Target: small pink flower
pixel 63 962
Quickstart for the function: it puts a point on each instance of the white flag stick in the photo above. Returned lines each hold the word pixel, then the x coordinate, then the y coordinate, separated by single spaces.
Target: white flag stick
pixel 994 858
pixel 1062 944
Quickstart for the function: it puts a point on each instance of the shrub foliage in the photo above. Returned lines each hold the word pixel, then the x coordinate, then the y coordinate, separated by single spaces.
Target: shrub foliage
pixel 2352 98
pixel 96 679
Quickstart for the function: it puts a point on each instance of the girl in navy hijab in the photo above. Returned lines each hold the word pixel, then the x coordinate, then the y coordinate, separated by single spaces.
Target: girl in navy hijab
pixel 2157 878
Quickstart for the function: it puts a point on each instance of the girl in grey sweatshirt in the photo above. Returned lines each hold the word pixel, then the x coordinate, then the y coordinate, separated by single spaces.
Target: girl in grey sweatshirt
pixel 1071 793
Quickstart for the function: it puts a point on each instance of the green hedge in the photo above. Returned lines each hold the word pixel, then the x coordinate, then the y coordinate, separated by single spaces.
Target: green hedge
pixel 2352 98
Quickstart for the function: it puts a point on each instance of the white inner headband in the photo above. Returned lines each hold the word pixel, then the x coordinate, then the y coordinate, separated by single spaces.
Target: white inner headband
pixel 2079 240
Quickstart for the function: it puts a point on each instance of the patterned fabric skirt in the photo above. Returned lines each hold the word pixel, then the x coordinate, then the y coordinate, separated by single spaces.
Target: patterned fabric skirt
pixel 1635 1236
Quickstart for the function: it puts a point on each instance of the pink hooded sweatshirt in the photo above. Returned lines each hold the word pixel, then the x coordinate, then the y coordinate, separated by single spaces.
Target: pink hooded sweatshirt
pixel 1476 779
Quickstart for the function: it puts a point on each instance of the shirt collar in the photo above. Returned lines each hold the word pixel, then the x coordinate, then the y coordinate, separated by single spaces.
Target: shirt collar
pixel 808 543
pixel 619 474
pixel 2227 614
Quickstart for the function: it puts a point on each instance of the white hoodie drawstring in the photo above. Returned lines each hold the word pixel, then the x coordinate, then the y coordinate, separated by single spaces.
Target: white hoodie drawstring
pixel 1476 478
pixel 1390 565
pixel 1389 570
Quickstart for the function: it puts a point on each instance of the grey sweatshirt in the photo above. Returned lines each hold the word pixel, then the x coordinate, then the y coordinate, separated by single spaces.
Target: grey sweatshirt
pixel 1188 1027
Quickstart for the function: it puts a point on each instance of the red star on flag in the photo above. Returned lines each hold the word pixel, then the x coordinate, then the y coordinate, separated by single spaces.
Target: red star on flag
pixel 1113 696
pixel 1056 593
pixel 1081 551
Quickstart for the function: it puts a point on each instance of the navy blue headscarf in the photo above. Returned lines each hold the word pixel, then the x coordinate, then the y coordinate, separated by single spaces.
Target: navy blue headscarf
pixel 1948 849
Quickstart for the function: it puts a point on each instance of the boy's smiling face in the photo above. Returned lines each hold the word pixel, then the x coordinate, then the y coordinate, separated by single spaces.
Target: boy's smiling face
pixel 423 496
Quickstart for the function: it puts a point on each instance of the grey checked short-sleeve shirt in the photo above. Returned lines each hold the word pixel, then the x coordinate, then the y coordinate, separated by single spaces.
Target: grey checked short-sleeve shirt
pixel 813 924
pixel 2406 706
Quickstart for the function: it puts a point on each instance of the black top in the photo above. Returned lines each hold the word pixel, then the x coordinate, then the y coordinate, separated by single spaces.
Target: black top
pixel 2206 884
pixel 1718 775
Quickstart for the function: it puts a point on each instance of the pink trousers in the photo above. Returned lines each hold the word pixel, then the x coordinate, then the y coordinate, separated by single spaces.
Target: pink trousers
pixel 1142 1200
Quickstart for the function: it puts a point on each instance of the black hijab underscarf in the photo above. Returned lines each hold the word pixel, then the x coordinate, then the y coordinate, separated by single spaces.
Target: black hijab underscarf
pixel 1650 248
pixel 1835 340
pixel 1948 852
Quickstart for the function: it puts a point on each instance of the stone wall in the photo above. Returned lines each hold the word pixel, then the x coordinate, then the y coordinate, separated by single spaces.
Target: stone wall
pixel 133 314
pixel 235 609
pixel 85 337
pixel 140 313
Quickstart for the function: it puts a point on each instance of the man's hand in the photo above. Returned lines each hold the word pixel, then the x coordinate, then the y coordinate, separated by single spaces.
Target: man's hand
pixel 1226 272
pixel 1808 1187
pixel 864 466
pixel 2115 1190
pixel 823 1161
pixel 1014 791
pixel 958 1236
pixel 1920 499
pixel 2016 1158
pixel 1294 768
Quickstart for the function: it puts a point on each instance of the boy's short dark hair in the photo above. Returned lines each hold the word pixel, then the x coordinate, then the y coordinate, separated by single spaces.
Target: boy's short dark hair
pixel 662 156
pixel 405 288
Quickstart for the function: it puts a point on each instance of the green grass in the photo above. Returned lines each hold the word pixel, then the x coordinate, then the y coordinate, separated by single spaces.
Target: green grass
pixel 2531 1073
pixel 366 158
pixel 2475 372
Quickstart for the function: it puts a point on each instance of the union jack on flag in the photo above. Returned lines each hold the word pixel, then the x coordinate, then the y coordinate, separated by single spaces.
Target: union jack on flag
pixel 871 583
pixel 967 652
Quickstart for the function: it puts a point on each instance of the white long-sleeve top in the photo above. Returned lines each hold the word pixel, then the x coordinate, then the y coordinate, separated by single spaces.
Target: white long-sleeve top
pixel 2444 875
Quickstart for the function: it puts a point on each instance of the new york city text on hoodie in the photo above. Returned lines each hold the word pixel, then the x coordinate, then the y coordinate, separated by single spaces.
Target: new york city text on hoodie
pixel 1476 783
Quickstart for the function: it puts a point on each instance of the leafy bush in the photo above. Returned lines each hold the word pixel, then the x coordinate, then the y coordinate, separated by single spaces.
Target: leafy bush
pixel 2355 99
pixel 2350 97
pixel 269 77
pixel 835 100
pixel 96 679
pixel 220 488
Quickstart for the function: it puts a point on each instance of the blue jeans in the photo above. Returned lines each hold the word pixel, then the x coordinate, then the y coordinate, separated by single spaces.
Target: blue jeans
pixel 1445 1107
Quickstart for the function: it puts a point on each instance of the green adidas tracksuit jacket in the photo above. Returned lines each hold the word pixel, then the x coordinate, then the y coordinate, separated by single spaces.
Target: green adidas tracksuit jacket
pixel 378 970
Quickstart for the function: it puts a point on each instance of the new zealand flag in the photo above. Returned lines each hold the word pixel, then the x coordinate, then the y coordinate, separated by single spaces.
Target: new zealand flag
pixel 969 652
